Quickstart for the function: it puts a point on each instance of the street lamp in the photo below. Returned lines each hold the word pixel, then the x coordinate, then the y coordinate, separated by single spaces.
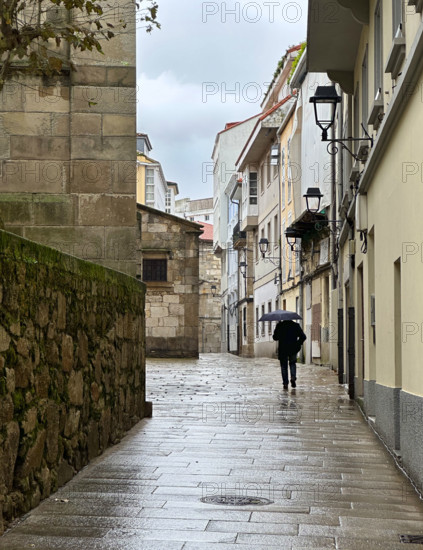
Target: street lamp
pixel 313 197
pixel 291 236
pixel 264 246
pixel 213 290
pixel 325 102
pixel 243 268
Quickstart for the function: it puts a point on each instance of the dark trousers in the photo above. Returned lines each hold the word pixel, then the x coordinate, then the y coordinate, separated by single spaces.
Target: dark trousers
pixel 292 367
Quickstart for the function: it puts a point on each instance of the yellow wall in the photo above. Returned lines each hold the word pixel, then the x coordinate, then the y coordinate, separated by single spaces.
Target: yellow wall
pixel 395 201
pixel 289 207
pixel 395 223
pixel 141 178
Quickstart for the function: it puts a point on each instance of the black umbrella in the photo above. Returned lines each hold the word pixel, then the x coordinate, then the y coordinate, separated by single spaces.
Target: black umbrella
pixel 280 315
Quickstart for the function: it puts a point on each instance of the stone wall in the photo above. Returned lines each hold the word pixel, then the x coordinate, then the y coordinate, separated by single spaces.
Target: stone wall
pixel 72 367
pixel 209 334
pixel 171 307
pixel 68 153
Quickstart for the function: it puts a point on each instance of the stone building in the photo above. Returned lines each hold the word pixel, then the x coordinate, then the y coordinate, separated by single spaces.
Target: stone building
pixel 68 153
pixel 72 365
pixel 170 269
pixel 210 321
pixel 196 210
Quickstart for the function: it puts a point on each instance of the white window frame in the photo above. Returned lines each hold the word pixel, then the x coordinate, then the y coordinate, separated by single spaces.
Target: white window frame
pixel 289 173
pixel 283 178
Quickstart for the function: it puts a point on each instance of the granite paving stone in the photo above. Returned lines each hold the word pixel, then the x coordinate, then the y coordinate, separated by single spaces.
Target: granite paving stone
pixel 223 427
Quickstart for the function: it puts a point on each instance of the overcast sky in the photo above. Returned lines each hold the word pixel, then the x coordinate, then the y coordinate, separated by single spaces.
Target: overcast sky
pixel 210 63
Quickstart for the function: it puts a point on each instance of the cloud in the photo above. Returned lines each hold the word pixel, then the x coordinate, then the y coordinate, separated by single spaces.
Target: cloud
pixel 209 64
pixel 182 123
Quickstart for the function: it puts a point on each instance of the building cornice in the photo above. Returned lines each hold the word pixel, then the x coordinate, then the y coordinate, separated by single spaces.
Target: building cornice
pixel 193 226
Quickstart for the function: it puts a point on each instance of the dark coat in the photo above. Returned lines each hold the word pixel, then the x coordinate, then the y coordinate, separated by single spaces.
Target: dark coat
pixel 290 337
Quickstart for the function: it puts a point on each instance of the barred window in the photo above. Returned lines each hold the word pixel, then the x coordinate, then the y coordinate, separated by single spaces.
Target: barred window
pixel 154 270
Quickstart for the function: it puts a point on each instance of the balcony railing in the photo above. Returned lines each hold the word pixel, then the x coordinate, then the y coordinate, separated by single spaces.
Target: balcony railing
pixel 239 238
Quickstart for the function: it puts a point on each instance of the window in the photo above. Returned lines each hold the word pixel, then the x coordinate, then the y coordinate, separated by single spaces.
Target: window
pixel 378 49
pixel 262 176
pixel 257 325
pixel 253 187
pixel 262 324
pixel 284 245
pixel 276 234
pixel 149 185
pixel 269 235
pixel 283 178
pixel 290 264
pixel 297 257
pixel 397 16
pixel 365 91
pixel 141 144
pixel 206 218
pixel 269 309
pixel 356 118
pixel 168 201
pixel 396 56
pixel 289 173
pixel 244 321
pixel 269 172
pixel 154 270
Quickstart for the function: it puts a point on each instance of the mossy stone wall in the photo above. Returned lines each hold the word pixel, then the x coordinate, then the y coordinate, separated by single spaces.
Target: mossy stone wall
pixel 72 367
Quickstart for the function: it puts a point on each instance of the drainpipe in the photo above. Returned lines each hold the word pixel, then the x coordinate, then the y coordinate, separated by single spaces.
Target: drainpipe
pixel 334 210
pixel 278 136
pixel 238 203
pixel 301 299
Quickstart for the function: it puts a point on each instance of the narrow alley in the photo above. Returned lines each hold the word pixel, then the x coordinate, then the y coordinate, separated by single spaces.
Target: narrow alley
pixel 224 429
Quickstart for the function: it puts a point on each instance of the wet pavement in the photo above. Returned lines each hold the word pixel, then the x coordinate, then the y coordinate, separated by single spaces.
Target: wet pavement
pixel 223 428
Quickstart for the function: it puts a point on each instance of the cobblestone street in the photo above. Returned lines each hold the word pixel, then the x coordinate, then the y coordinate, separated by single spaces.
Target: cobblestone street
pixel 223 426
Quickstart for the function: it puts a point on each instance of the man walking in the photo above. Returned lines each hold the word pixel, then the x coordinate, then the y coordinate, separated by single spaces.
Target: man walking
pixel 291 338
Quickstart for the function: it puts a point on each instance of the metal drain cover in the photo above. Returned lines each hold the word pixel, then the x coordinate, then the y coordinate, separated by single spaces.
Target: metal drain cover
pixel 233 500
pixel 412 539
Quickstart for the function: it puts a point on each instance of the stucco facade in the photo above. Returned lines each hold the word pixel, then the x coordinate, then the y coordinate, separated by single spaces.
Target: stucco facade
pixel 151 183
pixel 379 291
pixel 228 144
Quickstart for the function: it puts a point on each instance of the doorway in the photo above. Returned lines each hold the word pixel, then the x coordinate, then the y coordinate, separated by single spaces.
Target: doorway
pixel 398 351
pixel 350 341
pixel 360 332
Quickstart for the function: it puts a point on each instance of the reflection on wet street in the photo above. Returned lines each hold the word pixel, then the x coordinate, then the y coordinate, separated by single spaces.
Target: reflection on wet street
pixel 286 469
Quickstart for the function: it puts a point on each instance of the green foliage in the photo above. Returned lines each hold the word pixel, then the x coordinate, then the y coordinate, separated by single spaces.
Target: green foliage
pixel 18 402
pixel 36 35
pixel 282 62
pixel 278 69
pixel 297 60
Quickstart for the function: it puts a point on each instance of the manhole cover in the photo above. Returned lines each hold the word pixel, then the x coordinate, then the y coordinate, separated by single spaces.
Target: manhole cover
pixel 412 539
pixel 233 500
